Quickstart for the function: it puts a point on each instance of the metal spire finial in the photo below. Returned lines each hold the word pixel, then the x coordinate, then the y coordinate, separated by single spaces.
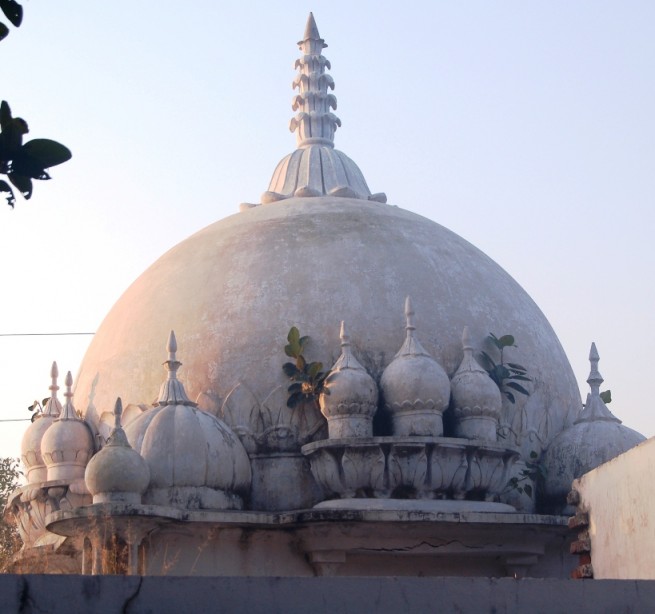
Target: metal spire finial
pixel 68 412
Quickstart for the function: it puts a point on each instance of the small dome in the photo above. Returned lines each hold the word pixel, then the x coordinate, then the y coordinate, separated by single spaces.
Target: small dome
pixel 195 460
pixel 352 396
pixel 596 437
pixel 67 445
pixel 475 396
pixel 117 472
pixel 415 387
pixel 35 469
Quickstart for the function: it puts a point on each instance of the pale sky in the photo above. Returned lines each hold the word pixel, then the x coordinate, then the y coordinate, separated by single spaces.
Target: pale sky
pixel 526 127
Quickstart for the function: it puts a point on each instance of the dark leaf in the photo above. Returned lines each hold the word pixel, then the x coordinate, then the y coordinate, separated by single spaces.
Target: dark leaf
pixel 294 336
pixel 514 365
pixel 47 152
pixel 295 387
pixel 289 369
pixel 495 341
pixel 5 187
pixel 24 164
pixel 5 114
pixel 510 396
pixel 521 378
pixel 314 369
pixel 534 455
pixel 13 11
pixel 528 490
pixel 4 31
pixel 606 396
pixel 302 341
pixel 301 363
pixel 24 184
pixel 294 399
pixel 288 350
pixel 506 341
pixel 517 387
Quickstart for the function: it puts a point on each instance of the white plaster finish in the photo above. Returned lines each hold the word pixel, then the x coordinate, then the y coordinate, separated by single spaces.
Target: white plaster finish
pixel 35 469
pixel 410 467
pixel 618 496
pixel 67 445
pixel 350 399
pixel 346 541
pixel 596 437
pixel 248 289
pixel 194 458
pixel 477 401
pixel 282 481
pixel 117 472
pixel 415 388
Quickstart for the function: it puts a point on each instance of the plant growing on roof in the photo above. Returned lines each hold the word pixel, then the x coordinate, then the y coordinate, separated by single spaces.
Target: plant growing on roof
pixel 507 375
pixel 308 378
pixel 534 472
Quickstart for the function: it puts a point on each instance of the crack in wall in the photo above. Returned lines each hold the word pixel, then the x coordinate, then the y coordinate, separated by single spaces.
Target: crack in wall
pixel 132 597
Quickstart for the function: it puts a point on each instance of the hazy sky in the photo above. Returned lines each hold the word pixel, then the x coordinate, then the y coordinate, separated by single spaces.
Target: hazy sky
pixel 526 127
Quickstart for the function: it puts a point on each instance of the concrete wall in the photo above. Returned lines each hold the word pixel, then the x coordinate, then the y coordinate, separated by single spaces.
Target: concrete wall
pixel 619 497
pixel 108 594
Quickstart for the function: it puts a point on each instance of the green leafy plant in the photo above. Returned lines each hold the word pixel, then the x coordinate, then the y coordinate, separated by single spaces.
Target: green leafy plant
pixel 9 539
pixel 507 375
pixel 606 396
pixel 21 162
pixel 37 408
pixel 534 473
pixel 13 12
pixel 308 378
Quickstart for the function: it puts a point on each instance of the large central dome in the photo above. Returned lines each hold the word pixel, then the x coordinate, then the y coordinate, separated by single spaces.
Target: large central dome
pixel 321 249
pixel 233 290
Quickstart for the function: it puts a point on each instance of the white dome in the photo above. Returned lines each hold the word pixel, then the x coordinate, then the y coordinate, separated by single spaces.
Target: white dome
pixel 415 387
pixel 241 283
pixel 117 472
pixel 35 468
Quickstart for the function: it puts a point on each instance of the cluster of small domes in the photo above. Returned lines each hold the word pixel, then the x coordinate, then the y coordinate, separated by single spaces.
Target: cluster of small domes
pixel 58 444
pixel 172 454
pixel 415 390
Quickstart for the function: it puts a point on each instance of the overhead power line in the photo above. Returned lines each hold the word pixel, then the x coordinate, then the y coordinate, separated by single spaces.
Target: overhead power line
pixel 41 334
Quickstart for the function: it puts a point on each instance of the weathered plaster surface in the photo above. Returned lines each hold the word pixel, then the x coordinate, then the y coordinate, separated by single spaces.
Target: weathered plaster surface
pixel 618 497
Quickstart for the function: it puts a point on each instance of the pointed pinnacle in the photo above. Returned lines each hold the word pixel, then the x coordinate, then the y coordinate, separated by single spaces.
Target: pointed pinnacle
pixel 343 335
pixel 171 346
pixel 54 371
pixel 466 339
pixel 311 30
pixel 118 412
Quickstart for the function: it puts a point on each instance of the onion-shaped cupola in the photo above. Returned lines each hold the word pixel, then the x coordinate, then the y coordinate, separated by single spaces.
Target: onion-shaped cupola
pixel 350 399
pixel 415 388
pixel 35 469
pixel 195 460
pixel 117 473
pixel 67 445
pixel 595 437
pixel 316 168
pixel 477 401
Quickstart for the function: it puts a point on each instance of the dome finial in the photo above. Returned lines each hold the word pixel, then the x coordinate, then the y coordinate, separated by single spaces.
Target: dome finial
pixel 311 31
pixel 53 406
pixel 68 412
pixel 595 408
pixel 117 436
pixel 409 317
pixel 172 391
pixel 466 341
pixel 314 123
pixel 343 335
pixel 315 168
